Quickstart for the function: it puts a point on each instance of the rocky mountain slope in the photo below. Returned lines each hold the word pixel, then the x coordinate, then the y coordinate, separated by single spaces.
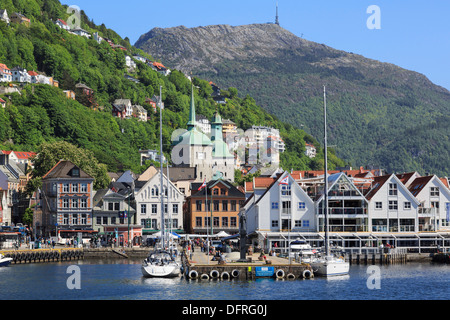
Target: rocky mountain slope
pixel 379 114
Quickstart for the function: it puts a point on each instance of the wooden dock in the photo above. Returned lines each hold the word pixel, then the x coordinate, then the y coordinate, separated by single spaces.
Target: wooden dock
pixel 377 258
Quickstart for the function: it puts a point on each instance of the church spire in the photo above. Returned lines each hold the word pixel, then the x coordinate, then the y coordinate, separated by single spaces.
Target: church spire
pixel 192 120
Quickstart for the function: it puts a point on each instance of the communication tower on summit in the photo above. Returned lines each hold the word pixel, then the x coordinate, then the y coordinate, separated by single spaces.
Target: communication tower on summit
pixel 277 21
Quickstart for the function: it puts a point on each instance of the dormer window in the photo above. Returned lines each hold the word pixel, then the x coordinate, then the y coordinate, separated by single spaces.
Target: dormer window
pixel 75 172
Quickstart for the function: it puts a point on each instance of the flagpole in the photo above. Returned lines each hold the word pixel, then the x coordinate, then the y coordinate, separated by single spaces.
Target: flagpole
pixel 162 167
pixel 206 216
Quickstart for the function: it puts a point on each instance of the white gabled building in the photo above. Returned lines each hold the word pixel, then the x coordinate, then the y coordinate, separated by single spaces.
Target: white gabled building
pixel 392 207
pixel 148 205
pixel 434 199
pixel 282 212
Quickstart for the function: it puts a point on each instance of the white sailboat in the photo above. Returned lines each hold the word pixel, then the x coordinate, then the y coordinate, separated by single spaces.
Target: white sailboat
pixel 161 263
pixel 328 265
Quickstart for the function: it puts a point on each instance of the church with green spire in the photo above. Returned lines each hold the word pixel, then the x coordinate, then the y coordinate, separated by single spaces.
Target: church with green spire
pixel 209 155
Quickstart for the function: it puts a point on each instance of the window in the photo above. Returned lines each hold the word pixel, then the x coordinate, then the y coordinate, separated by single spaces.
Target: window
pixel 224 222
pixel 286 207
pixel 117 206
pixel 274 205
pixel 393 205
pixel 143 209
pixel 182 190
pixel 83 219
pixel 215 191
pixel 175 223
pixel 165 207
pixel 66 219
pixel 154 208
pixel 110 206
pixel 198 221
pixel 199 205
pixel 84 187
pixel 434 192
pixel 223 192
pixel 306 223
pixel 302 205
pixel 233 205
pixel 74 203
pixel 224 205
pixel 98 220
pixel 392 189
pixel 286 190
pixel 298 223
pixel 105 220
pixel 83 203
pixel 113 220
pixel 216 205
pixel 378 205
pixel 274 223
pixel 66 203
pixel 66 187
pixel 233 222
pixel 75 188
pixel 207 221
pixel 175 208
pixel 407 205
pixel 74 219
pixel 216 222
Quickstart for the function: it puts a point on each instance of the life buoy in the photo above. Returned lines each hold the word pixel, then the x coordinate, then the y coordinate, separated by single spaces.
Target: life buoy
pixel 214 274
pixel 280 274
pixel 307 274
pixel 193 274
pixel 290 276
pixel 204 276
pixel 235 273
pixel 225 276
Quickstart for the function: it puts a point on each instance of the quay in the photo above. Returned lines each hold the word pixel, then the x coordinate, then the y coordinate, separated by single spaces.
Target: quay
pixel 201 267
pixel 44 255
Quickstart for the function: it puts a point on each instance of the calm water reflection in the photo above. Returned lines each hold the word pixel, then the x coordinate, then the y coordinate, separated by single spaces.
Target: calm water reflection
pixel 122 279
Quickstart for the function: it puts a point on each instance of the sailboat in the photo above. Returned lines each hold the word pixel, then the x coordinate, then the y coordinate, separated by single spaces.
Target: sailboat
pixel 329 264
pixel 161 263
pixel 4 261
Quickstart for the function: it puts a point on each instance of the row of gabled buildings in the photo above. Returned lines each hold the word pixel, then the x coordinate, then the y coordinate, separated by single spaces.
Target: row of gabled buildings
pixel 362 205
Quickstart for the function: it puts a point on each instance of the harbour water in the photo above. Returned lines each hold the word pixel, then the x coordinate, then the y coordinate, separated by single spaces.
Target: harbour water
pixel 122 280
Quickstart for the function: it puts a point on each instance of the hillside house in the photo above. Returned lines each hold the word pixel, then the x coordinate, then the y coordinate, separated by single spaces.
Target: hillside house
pixel 5 73
pixel 20 74
pixel 310 151
pixel 4 16
pixel 62 24
pixel 81 32
pixel 20 19
pixel 70 94
pixel 124 107
pixel 140 113
pixel 2 103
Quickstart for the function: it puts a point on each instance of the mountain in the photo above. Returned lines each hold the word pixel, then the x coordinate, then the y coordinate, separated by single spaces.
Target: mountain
pixel 379 114
pixel 41 114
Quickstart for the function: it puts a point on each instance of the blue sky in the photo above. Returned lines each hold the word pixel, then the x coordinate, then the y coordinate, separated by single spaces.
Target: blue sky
pixel 414 34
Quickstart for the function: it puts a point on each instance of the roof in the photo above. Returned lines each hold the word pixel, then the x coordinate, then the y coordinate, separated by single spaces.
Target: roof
pixel 2 101
pixel 24 155
pixel 232 190
pixel 64 170
pixel 378 182
pixel 418 184
pixel 3 66
pixel 63 22
pixel 33 73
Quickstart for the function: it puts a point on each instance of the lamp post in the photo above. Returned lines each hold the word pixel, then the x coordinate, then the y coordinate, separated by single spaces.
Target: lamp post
pixel 128 214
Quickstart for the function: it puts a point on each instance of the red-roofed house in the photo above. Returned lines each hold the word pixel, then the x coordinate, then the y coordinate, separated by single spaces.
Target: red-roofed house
pixel 2 103
pixel 5 73
pixel 62 24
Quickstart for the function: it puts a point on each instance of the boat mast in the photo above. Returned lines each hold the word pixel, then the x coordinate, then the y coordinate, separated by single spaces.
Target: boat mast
pixel 327 240
pixel 162 166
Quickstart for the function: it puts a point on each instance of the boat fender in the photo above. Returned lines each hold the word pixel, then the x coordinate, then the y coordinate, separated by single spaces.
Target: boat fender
pixel 225 276
pixel 307 274
pixel 235 273
pixel 291 276
pixel 279 274
pixel 204 277
pixel 214 274
pixel 193 274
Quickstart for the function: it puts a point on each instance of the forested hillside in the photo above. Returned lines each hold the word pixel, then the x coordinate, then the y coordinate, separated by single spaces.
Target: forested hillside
pixel 42 113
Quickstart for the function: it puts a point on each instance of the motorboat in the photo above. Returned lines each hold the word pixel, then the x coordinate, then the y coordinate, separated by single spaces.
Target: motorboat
pixel 4 261
pixel 160 264
pixel 302 251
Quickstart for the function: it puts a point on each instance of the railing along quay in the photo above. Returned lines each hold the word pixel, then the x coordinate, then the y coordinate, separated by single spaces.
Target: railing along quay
pixel 44 255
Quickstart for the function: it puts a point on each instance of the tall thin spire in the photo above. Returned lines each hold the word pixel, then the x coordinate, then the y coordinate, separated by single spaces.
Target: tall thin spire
pixel 277 20
pixel 192 120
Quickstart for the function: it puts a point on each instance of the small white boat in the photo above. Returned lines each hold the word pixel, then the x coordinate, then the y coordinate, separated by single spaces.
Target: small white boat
pixel 160 264
pixel 4 261
pixel 330 266
pixel 302 251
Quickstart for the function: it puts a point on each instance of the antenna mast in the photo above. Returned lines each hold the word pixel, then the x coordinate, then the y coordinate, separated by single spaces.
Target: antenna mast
pixel 277 20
